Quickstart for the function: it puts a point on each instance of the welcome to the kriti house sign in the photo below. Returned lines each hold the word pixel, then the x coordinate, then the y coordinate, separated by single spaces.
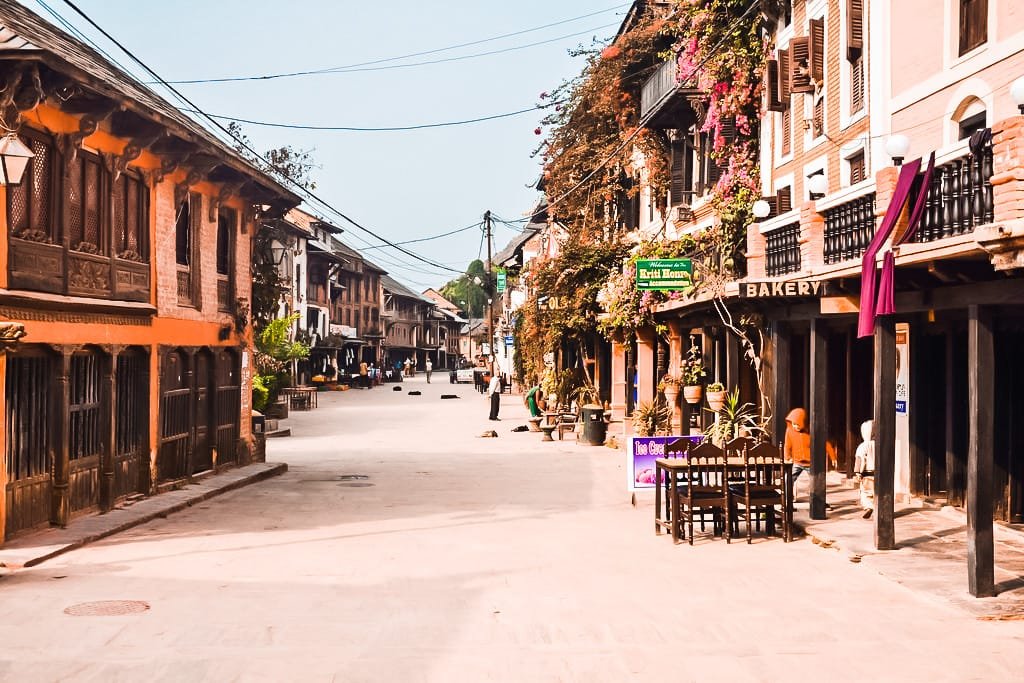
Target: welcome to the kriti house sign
pixel 765 290
pixel 666 274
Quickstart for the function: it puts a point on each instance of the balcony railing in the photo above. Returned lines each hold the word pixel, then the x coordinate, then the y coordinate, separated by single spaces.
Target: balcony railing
pixel 658 86
pixel 782 250
pixel 959 196
pixel 849 228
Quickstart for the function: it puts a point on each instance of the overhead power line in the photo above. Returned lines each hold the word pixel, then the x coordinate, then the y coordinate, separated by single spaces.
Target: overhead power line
pixel 299 188
pixel 421 126
pixel 359 65
pixel 434 237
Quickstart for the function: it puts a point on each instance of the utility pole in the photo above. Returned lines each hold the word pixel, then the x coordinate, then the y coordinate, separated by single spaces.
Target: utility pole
pixel 490 294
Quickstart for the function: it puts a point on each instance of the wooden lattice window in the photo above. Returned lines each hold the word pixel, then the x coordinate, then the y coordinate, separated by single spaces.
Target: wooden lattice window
pixel 183 233
pixel 85 436
pixel 82 193
pixel 130 218
pixel 29 416
pixel 973 24
pixel 227 220
pixel 186 231
pixel 30 204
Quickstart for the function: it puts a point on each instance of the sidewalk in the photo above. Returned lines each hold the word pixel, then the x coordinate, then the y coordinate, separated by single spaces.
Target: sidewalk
pixel 38 547
pixel 931 554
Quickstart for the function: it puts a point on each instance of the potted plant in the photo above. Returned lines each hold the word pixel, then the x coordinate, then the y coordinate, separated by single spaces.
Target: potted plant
pixel 716 396
pixel 651 417
pixel 669 385
pixel 733 420
pixel 692 375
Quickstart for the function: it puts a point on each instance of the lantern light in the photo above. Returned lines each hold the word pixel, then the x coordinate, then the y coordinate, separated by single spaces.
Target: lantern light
pixel 14 158
pixel 896 147
pixel 761 209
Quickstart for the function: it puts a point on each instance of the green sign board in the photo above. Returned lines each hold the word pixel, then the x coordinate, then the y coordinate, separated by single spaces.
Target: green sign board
pixel 667 274
pixel 502 281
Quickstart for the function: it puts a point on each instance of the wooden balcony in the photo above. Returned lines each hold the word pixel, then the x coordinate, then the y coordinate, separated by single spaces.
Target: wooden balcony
pixel 47 267
pixel 664 99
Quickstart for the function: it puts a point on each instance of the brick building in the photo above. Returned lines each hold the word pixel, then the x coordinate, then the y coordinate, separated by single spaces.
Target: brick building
pixel 125 286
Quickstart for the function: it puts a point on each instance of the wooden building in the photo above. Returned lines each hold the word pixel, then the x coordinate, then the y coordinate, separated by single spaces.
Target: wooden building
pixel 124 286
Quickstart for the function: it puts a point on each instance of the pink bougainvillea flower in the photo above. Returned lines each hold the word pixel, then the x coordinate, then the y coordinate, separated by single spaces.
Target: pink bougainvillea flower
pixel 611 52
pixel 537 131
pixel 544 95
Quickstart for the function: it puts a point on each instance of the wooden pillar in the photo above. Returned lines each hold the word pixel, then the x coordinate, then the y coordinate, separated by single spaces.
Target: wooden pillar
pixel 3 446
pixel 780 373
pixel 852 430
pixel 733 356
pixel 885 432
pixel 155 408
pixel 980 456
pixel 618 397
pixel 675 357
pixel 110 437
pixel 60 509
pixel 645 344
pixel 819 416
pixel 954 482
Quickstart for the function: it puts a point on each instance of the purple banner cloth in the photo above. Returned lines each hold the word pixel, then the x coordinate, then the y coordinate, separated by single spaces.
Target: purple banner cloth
pixel 887 288
pixel 869 273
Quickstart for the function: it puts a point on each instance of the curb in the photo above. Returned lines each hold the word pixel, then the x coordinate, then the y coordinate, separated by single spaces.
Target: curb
pixel 273 470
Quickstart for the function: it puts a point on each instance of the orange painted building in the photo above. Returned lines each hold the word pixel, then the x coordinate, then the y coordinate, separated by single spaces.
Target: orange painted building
pixel 124 286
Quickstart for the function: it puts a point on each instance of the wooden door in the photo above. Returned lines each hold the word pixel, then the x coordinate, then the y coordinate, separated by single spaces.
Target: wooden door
pixel 202 451
pixel 29 452
pixel 131 443
pixel 228 404
pixel 176 416
pixel 86 428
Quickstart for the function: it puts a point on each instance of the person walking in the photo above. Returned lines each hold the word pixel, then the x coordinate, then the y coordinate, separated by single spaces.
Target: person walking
pixel 428 367
pixel 364 375
pixel 408 365
pixel 494 393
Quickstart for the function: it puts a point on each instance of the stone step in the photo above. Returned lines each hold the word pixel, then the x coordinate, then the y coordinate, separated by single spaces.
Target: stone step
pixel 277 433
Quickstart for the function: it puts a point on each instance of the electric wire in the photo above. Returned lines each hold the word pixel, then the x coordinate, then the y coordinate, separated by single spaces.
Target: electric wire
pixel 444 124
pixel 429 239
pixel 348 67
pixel 244 145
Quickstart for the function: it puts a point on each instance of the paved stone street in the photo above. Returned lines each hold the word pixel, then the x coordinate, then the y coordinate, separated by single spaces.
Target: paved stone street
pixel 461 558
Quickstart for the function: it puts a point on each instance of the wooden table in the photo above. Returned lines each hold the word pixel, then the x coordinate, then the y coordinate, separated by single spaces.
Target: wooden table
pixel 301 398
pixel 671 468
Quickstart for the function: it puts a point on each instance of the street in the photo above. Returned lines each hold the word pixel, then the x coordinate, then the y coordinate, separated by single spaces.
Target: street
pixel 401 546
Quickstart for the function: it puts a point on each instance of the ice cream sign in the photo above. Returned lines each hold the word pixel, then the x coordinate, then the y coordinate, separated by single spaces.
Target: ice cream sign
pixel 669 274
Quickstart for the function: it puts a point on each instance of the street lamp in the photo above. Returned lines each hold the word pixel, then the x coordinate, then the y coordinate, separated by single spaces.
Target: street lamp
pixel 1017 93
pixel 761 209
pixel 817 185
pixel 896 147
pixel 14 158
pixel 277 254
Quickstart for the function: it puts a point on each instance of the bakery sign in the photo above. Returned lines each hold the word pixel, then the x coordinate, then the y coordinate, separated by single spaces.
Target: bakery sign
pixel 782 290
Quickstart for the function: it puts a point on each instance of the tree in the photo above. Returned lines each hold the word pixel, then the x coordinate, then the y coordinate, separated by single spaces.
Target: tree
pixel 465 289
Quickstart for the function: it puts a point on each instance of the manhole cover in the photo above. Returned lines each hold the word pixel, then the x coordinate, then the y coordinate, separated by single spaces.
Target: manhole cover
pixel 355 484
pixel 352 477
pixel 107 608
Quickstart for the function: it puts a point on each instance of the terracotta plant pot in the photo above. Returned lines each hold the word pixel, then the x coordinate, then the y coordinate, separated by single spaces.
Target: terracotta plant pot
pixel 671 395
pixel 693 393
pixel 716 400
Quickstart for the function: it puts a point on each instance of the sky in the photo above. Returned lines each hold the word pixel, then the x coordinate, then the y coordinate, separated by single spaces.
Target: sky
pixel 402 185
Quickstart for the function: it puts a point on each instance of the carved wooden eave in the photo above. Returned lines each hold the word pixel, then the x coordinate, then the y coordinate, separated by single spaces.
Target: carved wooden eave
pixel 43 63
pixel 1004 244
pixel 10 335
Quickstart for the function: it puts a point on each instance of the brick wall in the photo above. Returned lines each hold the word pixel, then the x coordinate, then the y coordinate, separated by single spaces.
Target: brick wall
pixel 1008 180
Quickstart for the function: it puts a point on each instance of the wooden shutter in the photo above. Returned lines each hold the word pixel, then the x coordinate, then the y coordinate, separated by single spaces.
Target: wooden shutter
pixel 784 198
pixel 800 65
pixel 816 49
pixel 857 170
pixel 773 202
pixel 727 127
pixel 784 84
pixel 819 117
pixel 787 132
pixel 771 86
pixel 973 24
pixel 677 187
pixel 857 85
pixel 854 29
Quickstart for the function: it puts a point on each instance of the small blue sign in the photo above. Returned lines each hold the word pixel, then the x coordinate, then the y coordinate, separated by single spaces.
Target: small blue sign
pixel 509 340
pixel 901 407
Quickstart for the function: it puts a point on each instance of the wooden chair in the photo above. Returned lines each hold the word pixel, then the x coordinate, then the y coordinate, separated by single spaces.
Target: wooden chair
pixel 706 490
pixel 763 488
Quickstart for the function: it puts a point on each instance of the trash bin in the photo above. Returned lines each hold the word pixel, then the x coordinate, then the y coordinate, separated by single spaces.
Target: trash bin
pixel 594 426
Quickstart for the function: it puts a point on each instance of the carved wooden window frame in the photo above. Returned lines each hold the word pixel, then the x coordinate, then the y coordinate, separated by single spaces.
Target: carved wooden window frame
pixel 37 140
pixel 121 204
